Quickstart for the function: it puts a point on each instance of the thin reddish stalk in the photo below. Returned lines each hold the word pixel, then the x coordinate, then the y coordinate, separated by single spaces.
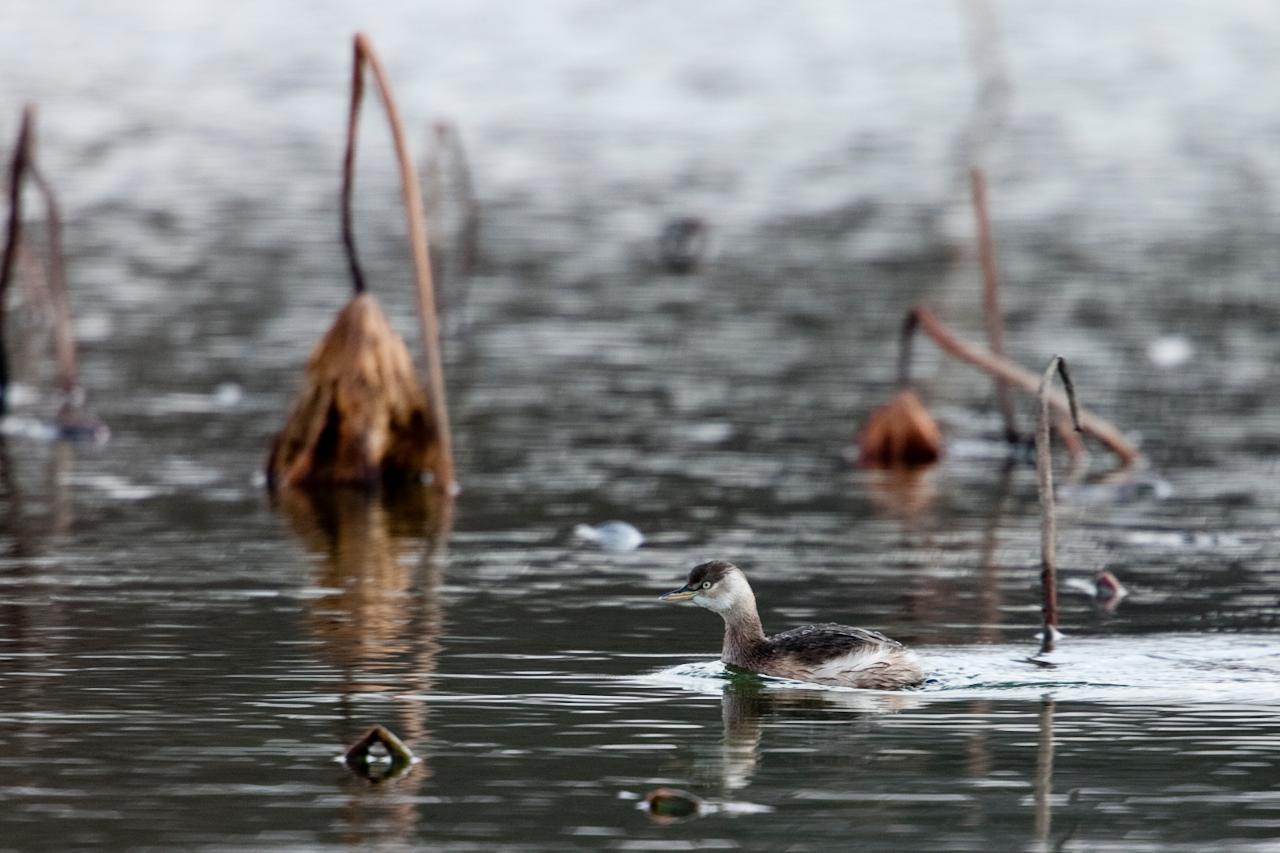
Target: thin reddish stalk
pixel 1098 427
pixel 416 220
pixel 1048 524
pixel 13 236
pixel 63 332
pixel 993 317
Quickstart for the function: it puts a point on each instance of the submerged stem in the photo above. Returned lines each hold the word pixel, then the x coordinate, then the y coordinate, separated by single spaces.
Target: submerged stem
pixel 416 220
pixel 1048 525
pixel 1043 783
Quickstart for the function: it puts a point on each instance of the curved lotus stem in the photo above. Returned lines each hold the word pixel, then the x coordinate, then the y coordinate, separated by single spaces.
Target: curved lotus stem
pixel 1048 526
pixel 1088 422
pixel 17 169
pixel 63 333
pixel 416 220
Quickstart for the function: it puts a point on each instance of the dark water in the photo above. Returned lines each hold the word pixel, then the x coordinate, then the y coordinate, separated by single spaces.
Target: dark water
pixel 182 661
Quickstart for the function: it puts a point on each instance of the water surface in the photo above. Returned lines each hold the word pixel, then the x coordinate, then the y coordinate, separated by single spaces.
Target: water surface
pixel 181 659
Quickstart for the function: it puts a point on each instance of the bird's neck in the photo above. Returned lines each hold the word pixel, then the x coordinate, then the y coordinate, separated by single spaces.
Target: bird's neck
pixel 743 634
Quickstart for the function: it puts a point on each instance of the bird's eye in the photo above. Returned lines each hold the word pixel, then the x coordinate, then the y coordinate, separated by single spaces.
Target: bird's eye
pixel 706 584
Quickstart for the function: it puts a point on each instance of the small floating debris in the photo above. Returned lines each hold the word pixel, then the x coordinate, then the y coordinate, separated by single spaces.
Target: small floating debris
pixel 1107 587
pixel 1122 491
pixel 1170 351
pixel 83 429
pixel 708 432
pixel 671 805
pixel 228 394
pixel 379 755
pixel 668 805
pixel 80 427
pixel 1104 588
pixel 611 535
pixel 988 449
pixel 222 397
pixel 682 244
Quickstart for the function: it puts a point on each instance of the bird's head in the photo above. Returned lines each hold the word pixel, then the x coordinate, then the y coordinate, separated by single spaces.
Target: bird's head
pixel 716 585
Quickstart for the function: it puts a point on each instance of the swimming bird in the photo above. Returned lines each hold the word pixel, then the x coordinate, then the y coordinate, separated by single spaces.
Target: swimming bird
pixel 824 654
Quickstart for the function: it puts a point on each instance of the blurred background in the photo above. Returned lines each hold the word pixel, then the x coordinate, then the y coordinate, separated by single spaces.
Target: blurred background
pixel 182 658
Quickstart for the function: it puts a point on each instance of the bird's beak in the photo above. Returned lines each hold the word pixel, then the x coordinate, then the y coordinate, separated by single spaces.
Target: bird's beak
pixel 678 595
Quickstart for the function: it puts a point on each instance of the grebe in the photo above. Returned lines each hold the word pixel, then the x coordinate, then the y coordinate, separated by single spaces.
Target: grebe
pixel 824 654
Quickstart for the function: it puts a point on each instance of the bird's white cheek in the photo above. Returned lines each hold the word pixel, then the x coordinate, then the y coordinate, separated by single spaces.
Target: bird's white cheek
pixel 710 603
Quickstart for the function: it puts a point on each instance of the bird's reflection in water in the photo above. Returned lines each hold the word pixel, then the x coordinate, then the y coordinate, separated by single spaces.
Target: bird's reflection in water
pixel 747 704
pixel 747 707
pixel 378 617
pixel 741 708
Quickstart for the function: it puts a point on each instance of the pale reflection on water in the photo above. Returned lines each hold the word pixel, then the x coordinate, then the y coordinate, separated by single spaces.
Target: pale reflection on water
pixel 375 608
